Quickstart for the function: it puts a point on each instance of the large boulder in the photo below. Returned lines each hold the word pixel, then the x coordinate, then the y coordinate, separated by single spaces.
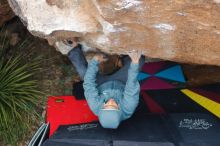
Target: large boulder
pixel 178 30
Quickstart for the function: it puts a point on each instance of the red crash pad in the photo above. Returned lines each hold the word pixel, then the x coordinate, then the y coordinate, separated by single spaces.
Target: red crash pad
pixel 66 110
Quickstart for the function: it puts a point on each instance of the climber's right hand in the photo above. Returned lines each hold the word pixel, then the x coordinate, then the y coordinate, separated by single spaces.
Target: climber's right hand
pixel 71 42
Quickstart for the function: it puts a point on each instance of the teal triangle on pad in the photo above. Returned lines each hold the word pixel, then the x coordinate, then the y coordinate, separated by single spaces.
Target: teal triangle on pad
pixel 174 73
pixel 142 76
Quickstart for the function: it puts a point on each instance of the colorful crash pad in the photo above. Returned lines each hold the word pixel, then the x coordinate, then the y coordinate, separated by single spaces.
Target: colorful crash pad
pixel 173 73
pixel 170 101
pixel 207 102
pixel 154 83
pixel 161 75
pixel 65 110
pixel 192 100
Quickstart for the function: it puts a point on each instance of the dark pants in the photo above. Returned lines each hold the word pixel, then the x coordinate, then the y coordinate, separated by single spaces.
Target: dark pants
pixel 78 59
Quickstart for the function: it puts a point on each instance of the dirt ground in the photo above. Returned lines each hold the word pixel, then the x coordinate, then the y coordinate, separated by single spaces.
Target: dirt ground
pixel 58 75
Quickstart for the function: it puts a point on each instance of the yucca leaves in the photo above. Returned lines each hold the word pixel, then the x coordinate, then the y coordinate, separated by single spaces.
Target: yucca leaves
pixel 19 95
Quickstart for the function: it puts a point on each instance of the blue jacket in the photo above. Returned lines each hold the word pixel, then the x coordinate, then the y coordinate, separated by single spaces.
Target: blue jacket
pixel 127 96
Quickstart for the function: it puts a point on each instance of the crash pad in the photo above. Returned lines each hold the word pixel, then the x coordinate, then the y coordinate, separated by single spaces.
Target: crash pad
pixel 208 103
pixel 65 110
pixel 185 129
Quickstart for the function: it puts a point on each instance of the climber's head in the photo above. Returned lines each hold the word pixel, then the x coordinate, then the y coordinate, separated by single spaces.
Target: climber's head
pixel 110 115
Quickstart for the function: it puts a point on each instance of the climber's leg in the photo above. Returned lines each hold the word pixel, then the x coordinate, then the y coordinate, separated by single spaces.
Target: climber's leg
pixel 79 61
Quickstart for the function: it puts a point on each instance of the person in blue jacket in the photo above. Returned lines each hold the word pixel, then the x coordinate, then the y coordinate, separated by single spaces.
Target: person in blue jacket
pixel 113 98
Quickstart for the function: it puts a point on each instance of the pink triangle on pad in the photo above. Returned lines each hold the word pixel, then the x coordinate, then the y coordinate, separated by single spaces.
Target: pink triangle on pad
pixel 153 67
pixel 153 83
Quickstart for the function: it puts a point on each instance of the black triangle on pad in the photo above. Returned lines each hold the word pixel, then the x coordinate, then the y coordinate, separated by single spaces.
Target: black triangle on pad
pixel 141 108
pixel 174 101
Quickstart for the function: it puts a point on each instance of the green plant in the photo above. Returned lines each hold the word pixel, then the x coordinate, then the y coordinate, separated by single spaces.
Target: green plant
pixel 19 95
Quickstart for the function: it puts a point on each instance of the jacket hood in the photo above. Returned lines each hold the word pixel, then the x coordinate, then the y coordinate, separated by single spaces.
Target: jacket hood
pixel 110 118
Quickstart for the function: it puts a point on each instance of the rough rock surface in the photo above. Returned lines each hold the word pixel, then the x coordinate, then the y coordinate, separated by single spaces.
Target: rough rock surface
pixel 6 12
pixel 178 30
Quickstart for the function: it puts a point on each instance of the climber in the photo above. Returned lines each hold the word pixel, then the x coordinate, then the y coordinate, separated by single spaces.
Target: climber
pixel 113 98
